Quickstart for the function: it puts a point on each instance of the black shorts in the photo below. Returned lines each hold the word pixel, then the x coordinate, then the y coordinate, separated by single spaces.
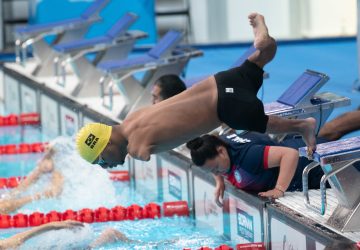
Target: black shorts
pixel 238 105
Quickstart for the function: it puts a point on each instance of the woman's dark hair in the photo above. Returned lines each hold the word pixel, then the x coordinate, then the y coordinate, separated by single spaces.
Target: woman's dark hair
pixel 170 85
pixel 204 148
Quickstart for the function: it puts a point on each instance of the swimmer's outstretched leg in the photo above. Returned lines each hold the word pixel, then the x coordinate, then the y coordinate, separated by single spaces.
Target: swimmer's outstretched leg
pixel 305 127
pixel 265 45
pixel 265 51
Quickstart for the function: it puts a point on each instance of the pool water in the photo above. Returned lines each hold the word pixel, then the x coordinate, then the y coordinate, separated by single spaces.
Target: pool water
pixel 21 134
pixel 163 233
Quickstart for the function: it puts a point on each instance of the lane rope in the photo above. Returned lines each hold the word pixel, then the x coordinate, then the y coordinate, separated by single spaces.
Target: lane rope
pixel 20 120
pixel 13 182
pixel 101 214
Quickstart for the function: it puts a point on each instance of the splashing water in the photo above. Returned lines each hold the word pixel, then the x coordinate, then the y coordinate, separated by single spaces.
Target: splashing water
pixel 76 238
pixel 85 185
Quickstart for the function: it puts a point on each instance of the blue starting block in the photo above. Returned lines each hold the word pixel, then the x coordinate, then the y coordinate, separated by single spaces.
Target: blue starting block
pixel 65 31
pixel 115 44
pixel 164 58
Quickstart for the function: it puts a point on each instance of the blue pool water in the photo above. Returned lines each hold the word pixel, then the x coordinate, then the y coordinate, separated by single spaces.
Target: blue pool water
pixel 21 134
pixel 163 233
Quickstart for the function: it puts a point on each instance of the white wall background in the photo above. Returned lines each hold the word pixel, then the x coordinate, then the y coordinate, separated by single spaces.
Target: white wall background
pixel 226 20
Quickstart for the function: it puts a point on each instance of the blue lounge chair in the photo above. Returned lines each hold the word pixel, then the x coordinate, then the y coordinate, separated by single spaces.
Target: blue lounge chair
pixel 65 30
pixel 340 162
pixel 116 43
pixel 163 58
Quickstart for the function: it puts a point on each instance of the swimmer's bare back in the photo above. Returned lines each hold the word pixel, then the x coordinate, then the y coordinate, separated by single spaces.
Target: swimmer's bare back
pixel 174 121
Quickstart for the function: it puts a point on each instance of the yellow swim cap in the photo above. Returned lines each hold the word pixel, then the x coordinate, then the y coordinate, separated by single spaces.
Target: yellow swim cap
pixel 92 139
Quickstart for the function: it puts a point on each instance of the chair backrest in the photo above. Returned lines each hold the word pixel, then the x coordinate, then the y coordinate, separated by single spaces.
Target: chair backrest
pixel 94 8
pixel 244 56
pixel 122 25
pixel 307 83
pixel 166 44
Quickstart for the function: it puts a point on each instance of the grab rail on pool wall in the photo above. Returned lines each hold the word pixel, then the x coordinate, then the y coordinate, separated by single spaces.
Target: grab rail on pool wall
pixel 101 214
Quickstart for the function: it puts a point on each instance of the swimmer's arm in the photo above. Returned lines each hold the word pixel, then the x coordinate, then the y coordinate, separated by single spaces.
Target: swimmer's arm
pixel 140 152
pixel 25 183
pixel 10 205
pixel 287 159
pixel 45 163
pixel 18 239
pixel 110 235
pixel 56 185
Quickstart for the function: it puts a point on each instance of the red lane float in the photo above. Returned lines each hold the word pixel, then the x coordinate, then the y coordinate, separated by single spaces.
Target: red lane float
pixel 101 214
pixel 10 182
pixel 13 182
pixel 23 148
pixel 251 246
pixel 119 213
pixel 19 220
pixel 135 212
pixel 5 221
pixel 36 219
pixel 179 208
pixel 69 215
pixel 120 175
pixel 246 246
pixel 22 119
pixel 86 215
pixel 223 247
pixel 152 211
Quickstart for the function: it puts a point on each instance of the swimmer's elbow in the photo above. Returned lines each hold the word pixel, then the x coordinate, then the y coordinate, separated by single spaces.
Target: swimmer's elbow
pixel 143 157
pixel 147 158
pixel 141 154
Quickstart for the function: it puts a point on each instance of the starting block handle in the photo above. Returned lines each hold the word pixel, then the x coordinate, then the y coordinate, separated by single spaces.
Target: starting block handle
pixel 321 210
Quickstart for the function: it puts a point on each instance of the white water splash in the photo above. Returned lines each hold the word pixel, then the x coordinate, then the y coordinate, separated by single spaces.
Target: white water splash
pixel 85 185
pixel 76 238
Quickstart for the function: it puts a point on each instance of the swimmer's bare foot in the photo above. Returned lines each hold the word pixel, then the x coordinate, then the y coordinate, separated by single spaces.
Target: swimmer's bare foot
pixel 261 34
pixel 308 134
pixel 265 45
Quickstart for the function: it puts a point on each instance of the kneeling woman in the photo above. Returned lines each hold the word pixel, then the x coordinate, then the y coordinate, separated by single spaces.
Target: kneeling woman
pixel 253 162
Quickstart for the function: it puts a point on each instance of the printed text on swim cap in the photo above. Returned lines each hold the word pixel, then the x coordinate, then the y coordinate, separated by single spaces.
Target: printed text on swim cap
pixel 91 140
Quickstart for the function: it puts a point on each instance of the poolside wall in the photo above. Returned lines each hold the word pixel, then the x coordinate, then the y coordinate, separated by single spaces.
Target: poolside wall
pixel 171 176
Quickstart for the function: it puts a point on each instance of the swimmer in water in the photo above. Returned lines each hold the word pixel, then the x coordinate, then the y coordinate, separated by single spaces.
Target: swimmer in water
pixel 78 236
pixel 227 97
pixel 108 236
pixel 54 177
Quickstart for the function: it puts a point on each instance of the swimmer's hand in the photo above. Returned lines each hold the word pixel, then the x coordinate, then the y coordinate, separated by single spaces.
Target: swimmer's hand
pixel 273 193
pixel 219 190
pixel 11 243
